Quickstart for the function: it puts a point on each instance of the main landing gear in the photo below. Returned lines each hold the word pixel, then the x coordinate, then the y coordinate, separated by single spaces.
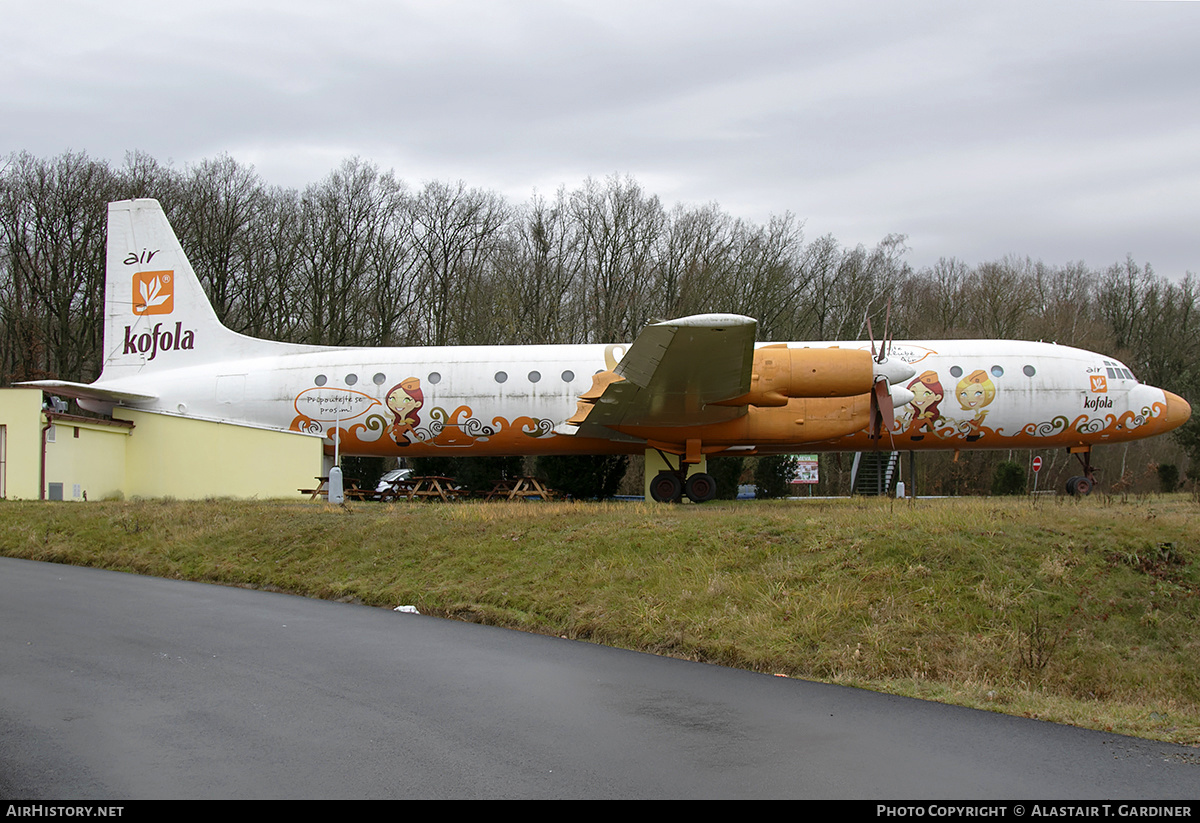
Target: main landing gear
pixel 668 487
pixel 671 484
pixel 1082 485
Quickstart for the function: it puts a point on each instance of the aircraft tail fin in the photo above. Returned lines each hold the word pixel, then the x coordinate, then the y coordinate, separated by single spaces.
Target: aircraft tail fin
pixel 156 314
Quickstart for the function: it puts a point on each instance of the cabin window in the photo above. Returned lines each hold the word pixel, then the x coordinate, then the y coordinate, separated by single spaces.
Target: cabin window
pixel 321 380
pixel 351 379
pixel 568 376
pixel 956 371
pixel 535 376
pixel 434 377
pixel 501 376
pixel 1030 371
pixel 997 371
pixel 379 379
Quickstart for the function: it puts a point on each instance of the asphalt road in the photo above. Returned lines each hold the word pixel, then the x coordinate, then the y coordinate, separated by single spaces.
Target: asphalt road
pixel 115 686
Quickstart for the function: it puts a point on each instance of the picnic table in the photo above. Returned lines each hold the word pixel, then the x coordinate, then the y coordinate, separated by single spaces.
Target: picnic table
pixel 422 488
pixel 350 489
pixel 521 488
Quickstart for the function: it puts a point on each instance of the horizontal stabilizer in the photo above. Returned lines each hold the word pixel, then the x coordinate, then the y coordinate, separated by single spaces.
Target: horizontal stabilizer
pixel 90 392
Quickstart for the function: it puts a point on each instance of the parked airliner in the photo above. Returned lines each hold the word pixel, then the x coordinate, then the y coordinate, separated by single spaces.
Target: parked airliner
pixel 689 388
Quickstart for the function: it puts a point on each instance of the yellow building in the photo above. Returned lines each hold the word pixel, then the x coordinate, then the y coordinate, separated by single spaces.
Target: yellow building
pixel 51 455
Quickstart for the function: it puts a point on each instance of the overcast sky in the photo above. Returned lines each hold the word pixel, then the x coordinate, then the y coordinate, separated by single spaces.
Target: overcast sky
pixel 1059 129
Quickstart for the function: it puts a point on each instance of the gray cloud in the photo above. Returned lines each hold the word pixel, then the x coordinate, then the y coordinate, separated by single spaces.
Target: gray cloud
pixel 1064 130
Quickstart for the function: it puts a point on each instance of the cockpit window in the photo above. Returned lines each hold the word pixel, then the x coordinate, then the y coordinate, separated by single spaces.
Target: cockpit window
pixel 1118 370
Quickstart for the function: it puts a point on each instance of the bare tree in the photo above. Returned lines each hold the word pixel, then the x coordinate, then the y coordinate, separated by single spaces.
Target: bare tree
pixel 536 270
pixel 347 227
pixel 1000 297
pixel 213 211
pixel 767 276
pixel 455 230
pixel 1065 306
pixel 271 297
pixel 694 263
pixel 52 218
pixel 619 228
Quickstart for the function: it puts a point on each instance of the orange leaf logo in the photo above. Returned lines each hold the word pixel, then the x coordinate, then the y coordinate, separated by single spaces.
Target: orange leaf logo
pixel 1099 383
pixel 153 292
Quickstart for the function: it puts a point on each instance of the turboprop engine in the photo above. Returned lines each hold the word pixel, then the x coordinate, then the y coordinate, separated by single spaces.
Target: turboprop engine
pixel 781 373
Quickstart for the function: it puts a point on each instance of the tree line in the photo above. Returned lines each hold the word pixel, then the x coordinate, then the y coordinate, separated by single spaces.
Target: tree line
pixel 363 258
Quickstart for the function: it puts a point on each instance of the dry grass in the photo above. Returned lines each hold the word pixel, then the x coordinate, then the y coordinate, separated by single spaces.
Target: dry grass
pixel 1075 611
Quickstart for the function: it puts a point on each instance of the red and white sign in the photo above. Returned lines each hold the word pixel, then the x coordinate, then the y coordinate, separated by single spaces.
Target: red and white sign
pixel 1037 465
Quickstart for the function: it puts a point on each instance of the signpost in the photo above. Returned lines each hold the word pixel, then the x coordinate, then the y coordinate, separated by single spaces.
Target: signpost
pixel 1037 467
pixel 807 471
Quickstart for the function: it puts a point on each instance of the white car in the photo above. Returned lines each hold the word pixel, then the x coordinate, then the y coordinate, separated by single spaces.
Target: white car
pixel 385 482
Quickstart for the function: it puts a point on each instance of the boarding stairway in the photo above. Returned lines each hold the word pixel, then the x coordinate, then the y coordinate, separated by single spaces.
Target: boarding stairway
pixel 874 474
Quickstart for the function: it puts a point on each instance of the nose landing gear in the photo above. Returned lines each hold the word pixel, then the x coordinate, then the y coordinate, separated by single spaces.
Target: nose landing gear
pixel 1082 485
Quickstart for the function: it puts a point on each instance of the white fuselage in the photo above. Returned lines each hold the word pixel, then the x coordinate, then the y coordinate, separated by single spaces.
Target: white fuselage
pixel 509 399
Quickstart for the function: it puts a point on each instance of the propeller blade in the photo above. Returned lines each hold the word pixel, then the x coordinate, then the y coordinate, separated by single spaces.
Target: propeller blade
pixel 886 341
pixel 883 412
pixel 886 408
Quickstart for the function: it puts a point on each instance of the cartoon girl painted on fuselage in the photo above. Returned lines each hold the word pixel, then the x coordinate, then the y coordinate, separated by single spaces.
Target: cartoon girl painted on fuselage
pixel 404 399
pixel 927 394
pixel 974 392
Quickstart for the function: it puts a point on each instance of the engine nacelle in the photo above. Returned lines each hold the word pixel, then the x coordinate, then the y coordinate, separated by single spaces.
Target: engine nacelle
pixel 780 373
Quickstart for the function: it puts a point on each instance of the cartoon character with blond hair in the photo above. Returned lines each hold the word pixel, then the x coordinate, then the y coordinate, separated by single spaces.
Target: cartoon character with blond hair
pixel 974 392
pixel 404 399
pixel 927 395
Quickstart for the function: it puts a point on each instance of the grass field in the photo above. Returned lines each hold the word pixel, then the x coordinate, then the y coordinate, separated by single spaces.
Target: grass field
pixel 1082 612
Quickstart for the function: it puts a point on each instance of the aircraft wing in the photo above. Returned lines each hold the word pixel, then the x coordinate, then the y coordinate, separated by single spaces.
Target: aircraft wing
pixel 672 374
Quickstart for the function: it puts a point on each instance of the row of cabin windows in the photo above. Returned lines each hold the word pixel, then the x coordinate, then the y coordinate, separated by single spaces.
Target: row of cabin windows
pixel 997 371
pixel 435 377
pixel 1115 370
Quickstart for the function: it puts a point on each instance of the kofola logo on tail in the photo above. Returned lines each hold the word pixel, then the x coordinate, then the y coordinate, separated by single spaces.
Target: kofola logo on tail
pixel 154 293
pixel 156 340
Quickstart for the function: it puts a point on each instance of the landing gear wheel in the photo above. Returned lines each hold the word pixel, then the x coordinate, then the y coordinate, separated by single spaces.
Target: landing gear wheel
pixel 700 488
pixel 666 487
pixel 1079 486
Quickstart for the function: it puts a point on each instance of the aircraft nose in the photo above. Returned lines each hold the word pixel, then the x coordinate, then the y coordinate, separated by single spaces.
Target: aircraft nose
pixel 1178 412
